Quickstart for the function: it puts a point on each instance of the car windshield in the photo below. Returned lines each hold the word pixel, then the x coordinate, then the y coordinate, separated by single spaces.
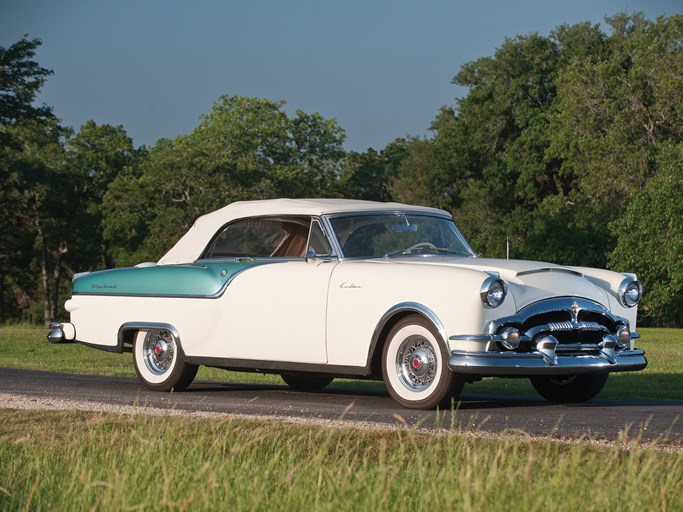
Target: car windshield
pixel 392 235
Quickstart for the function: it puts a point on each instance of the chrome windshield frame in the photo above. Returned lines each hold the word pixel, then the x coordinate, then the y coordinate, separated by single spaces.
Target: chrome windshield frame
pixel 332 234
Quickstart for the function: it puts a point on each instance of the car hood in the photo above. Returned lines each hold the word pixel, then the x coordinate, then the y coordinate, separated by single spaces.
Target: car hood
pixel 528 281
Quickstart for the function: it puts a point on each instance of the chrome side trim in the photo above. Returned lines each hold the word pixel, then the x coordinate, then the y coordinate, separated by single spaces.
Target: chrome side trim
pixel 332 239
pixel 268 366
pixel 480 338
pixel 143 326
pixel 550 269
pixel 323 228
pixel 407 307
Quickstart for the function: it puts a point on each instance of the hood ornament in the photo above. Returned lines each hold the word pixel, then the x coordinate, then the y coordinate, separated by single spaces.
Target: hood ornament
pixel 575 308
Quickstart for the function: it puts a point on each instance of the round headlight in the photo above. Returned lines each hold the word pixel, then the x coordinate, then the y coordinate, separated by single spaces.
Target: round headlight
pixel 630 291
pixel 493 292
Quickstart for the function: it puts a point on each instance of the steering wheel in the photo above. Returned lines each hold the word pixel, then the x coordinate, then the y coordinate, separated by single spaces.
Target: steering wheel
pixel 421 245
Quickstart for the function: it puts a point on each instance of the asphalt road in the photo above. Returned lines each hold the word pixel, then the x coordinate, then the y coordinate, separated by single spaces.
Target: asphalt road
pixel 599 418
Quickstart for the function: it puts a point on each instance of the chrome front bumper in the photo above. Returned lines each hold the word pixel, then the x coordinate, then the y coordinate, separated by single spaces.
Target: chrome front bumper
pixel 558 336
pixel 491 364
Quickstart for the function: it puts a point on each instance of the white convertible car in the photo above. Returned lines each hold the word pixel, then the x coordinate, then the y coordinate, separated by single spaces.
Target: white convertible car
pixel 317 289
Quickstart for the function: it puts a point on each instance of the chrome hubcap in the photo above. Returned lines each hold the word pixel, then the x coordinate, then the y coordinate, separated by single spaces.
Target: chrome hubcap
pixel 416 363
pixel 158 351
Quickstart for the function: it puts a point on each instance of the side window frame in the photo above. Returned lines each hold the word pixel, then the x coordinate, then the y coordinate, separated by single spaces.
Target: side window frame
pixel 317 225
pixel 207 253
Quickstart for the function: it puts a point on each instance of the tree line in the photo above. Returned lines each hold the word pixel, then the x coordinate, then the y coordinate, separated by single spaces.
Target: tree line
pixel 567 147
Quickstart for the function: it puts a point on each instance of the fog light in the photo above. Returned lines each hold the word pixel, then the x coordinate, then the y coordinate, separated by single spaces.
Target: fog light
pixel 511 338
pixel 624 336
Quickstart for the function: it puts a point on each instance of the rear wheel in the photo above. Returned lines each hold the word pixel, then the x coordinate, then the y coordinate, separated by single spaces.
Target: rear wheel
pixel 159 361
pixel 414 366
pixel 304 382
pixel 572 388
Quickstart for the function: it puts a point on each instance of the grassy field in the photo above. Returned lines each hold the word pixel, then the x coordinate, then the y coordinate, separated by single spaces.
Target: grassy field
pixel 51 460
pixel 94 461
pixel 25 346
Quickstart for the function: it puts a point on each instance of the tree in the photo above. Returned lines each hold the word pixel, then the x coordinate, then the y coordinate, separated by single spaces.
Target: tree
pixel 245 148
pixel 370 175
pixel 486 160
pixel 554 138
pixel 95 156
pixel 650 239
pixel 20 81
pixel 316 156
pixel 41 202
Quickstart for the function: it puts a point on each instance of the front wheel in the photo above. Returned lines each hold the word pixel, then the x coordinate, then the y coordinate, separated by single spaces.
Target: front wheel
pixel 414 366
pixel 159 361
pixel 572 388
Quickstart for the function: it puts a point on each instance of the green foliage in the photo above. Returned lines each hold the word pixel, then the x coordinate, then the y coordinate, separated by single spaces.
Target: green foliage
pixel 558 147
pixel 22 171
pixel 368 175
pixel 650 239
pixel 95 156
pixel 37 210
pixel 487 156
pixel 20 81
pixel 245 148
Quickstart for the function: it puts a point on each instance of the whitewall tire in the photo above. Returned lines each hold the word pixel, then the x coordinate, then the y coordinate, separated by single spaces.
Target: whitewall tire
pixel 415 366
pixel 159 361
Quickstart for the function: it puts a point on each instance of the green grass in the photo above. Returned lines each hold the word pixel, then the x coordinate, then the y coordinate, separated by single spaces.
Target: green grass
pixel 25 346
pixel 92 461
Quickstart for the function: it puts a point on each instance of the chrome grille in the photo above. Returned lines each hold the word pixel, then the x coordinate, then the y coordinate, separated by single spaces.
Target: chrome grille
pixel 578 325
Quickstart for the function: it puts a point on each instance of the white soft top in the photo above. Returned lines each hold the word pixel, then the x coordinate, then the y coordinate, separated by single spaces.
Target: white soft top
pixel 191 245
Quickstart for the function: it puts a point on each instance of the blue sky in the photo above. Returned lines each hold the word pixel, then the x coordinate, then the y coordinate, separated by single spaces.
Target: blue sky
pixel 381 68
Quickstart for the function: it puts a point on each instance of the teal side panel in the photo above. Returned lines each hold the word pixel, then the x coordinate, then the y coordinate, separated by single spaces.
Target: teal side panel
pixel 163 280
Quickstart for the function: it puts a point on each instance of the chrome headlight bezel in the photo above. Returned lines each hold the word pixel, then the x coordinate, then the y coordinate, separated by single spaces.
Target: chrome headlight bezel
pixel 493 291
pixel 630 291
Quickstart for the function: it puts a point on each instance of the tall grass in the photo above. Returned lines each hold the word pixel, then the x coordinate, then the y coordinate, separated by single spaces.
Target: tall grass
pixel 94 461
